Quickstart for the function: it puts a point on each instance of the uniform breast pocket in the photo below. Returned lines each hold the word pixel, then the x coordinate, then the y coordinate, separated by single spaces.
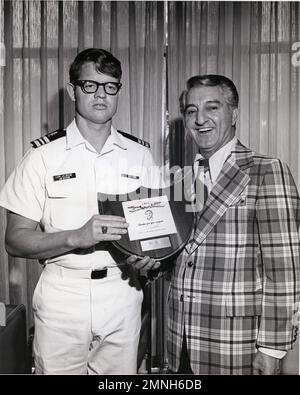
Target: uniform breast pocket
pixel 66 205
pixel 115 183
pixel 128 182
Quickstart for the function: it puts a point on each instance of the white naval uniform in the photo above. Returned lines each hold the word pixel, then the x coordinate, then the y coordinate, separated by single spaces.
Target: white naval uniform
pixel 81 325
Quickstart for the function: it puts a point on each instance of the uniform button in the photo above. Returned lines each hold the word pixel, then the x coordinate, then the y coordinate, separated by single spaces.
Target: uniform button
pixel 190 264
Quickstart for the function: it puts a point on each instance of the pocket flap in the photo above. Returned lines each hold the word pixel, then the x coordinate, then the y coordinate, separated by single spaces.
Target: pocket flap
pixel 242 311
pixel 242 306
pixel 61 189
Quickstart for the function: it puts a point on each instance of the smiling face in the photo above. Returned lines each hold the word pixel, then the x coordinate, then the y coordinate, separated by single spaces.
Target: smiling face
pixel 209 119
pixel 98 107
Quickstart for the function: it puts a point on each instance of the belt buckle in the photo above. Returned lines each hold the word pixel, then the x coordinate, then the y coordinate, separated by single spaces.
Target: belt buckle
pixel 98 274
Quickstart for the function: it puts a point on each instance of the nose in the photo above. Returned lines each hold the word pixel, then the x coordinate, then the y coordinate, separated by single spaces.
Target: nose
pixel 100 92
pixel 201 117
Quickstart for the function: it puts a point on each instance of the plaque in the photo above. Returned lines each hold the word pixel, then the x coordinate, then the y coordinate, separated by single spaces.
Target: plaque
pixel 160 221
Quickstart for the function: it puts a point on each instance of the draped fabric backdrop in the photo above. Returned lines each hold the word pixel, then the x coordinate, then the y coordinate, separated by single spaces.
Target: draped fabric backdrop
pixel 250 42
pixel 41 39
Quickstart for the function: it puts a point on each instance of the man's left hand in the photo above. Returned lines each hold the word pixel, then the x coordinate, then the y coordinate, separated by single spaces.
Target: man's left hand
pixel 143 264
pixel 264 364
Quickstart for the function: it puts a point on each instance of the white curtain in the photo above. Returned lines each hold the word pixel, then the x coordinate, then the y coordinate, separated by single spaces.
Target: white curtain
pixel 41 40
pixel 251 43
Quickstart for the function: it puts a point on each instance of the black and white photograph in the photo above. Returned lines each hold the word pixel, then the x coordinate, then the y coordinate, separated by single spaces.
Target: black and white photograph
pixel 149 190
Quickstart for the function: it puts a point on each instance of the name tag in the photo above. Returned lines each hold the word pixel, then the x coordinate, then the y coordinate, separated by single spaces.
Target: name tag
pixel 130 176
pixel 66 176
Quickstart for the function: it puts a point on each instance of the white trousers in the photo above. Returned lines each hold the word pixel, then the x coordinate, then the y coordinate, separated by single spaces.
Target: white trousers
pixel 85 326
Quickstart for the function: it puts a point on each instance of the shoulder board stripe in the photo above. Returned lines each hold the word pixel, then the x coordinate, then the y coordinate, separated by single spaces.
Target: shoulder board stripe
pixel 56 134
pixel 135 139
pixel 46 139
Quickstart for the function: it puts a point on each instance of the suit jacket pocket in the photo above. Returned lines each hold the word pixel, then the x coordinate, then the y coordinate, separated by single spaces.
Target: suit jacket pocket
pixel 242 304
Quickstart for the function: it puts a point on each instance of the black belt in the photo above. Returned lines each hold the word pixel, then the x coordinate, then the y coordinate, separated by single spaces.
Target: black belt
pixel 97 274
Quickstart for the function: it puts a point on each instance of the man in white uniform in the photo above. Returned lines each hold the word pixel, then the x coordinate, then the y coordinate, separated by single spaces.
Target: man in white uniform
pixel 87 318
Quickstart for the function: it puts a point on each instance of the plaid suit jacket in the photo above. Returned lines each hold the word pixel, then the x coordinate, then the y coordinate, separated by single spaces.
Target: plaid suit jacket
pixel 235 287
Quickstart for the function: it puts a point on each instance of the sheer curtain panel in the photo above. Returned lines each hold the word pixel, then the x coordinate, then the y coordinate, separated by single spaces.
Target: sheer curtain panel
pixel 41 39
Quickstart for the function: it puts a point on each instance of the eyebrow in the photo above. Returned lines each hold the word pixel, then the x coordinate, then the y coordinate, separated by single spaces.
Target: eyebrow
pixel 208 102
pixel 213 102
pixel 191 105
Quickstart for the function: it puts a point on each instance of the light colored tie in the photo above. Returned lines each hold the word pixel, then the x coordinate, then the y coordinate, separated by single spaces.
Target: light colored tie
pixel 200 192
pixel 201 176
pixel 204 168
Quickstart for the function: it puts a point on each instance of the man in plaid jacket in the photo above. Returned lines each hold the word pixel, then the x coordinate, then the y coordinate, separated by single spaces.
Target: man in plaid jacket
pixel 235 288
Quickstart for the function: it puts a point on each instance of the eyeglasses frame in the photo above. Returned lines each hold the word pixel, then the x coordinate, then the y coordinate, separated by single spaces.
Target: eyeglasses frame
pixel 80 83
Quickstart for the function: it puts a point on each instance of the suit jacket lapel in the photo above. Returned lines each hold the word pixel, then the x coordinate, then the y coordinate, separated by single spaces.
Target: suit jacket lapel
pixel 228 188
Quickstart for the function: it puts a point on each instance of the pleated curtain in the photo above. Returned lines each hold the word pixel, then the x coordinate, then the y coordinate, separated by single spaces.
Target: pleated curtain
pixel 41 40
pixel 251 43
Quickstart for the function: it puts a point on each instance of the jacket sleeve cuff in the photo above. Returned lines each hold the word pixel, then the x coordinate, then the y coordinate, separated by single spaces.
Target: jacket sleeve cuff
pixel 279 354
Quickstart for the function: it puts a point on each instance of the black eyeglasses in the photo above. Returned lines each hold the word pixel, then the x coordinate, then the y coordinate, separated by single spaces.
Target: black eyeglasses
pixel 87 86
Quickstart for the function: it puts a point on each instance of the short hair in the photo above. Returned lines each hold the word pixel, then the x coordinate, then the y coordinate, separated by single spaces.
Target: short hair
pixel 104 62
pixel 229 89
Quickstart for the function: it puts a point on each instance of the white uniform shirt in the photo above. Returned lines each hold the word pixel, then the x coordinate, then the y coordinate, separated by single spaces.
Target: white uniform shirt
pixel 57 183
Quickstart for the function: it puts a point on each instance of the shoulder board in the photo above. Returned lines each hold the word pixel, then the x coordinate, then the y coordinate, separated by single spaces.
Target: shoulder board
pixel 135 139
pixel 48 138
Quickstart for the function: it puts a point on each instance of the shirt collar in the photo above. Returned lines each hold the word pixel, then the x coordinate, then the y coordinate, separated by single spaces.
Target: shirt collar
pixel 216 161
pixel 75 138
pixel 118 140
pixel 114 141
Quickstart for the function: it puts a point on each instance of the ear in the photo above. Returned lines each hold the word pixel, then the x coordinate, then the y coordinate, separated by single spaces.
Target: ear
pixel 71 91
pixel 234 117
pixel 119 94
